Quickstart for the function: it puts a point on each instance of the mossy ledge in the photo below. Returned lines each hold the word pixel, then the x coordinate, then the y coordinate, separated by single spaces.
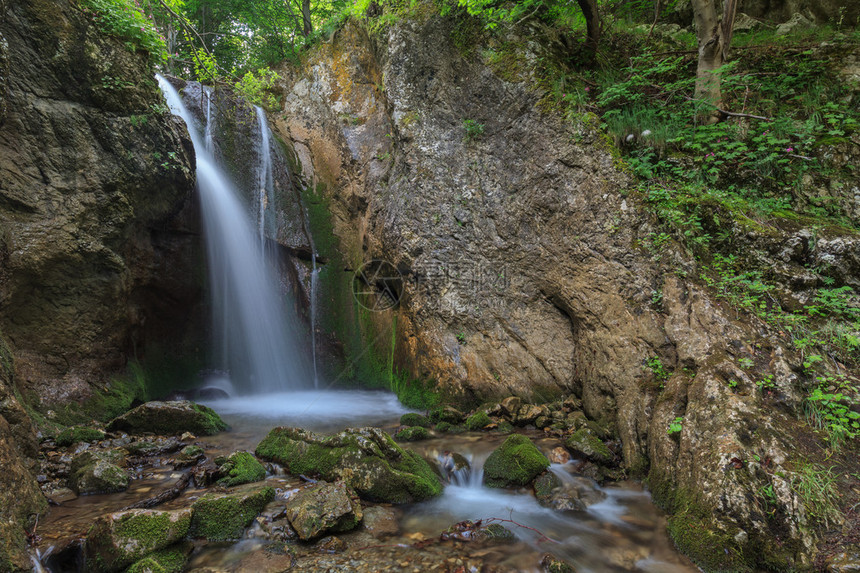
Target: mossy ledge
pixel 368 459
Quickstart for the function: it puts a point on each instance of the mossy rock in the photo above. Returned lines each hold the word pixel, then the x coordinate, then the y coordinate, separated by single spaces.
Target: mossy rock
pixel 447 428
pixel 170 560
pixel 99 472
pixel 713 551
pixel 412 434
pixel 223 517
pixel 324 508
pixel 239 468
pixel 415 420
pixel 171 418
pixel 585 444
pixel 367 459
pixel 448 414
pixel 119 539
pixel 478 421
pixel 495 532
pixel 77 434
pixel 505 427
pixel 515 463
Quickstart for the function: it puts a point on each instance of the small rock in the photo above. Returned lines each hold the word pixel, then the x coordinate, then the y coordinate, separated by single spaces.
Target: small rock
pixel 847 561
pixel 552 564
pixel 797 22
pixel 331 544
pixel 415 420
pixel 380 521
pixel 511 405
pixel 324 508
pixel 99 472
pixel 239 468
pixel 447 414
pixel 584 443
pixel 478 421
pixel 187 437
pixel 559 455
pixel 515 463
pixel 412 434
pixel 573 494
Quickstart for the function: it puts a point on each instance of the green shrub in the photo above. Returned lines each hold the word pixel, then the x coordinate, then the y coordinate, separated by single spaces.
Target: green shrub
pixel 124 20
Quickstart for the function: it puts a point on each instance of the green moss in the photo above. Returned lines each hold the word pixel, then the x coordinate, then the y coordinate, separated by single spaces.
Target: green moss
pixel 241 467
pixel 415 420
pixel 515 463
pixel 74 435
pixel 170 560
pixel 367 459
pixel 713 551
pixel 505 427
pixel 583 442
pixel 225 517
pixel 108 403
pixel 113 542
pixel 447 414
pixel 191 451
pixel 478 421
pixel 169 418
pixel 412 434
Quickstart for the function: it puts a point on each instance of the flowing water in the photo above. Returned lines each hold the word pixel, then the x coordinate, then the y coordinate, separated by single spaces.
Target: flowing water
pixel 258 344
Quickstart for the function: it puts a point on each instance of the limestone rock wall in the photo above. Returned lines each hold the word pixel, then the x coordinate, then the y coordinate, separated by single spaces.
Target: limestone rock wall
pixel 524 273
pixel 96 228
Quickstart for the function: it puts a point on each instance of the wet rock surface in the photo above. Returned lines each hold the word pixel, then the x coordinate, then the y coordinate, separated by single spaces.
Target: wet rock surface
pixel 169 418
pixel 365 458
pixel 324 508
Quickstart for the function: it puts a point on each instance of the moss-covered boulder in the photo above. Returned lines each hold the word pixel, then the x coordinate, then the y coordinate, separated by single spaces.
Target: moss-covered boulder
pixel 367 459
pixel 169 560
pixel 99 472
pixel 447 428
pixel 117 540
pixel 412 419
pixel 478 421
pixel 515 463
pixel 412 434
pixel 222 517
pixel 447 414
pixel 239 468
pixel 171 418
pixel 585 444
pixel 324 508
pixel 77 434
pixel 188 456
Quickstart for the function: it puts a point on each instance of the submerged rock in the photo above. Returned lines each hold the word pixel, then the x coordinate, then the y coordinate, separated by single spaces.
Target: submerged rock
pixel 367 459
pixel 584 443
pixel 119 539
pixel 169 418
pixel 515 463
pixel 222 517
pixel 98 472
pixel 324 508
pixel 380 521
pixel 575 494
pixel 239 468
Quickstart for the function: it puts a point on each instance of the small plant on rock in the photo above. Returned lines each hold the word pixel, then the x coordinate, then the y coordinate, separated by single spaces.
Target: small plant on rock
pixel 474 130
pixel 676 425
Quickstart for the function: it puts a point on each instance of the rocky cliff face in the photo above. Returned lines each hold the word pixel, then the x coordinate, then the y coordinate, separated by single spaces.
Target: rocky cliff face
pixel 90 266
pixel 520 246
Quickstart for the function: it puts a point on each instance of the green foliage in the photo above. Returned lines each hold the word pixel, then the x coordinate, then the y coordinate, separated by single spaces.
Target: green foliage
pixel 676 425
pixel 412 419
pixel 816 487
pixel 74 435
pixel 660 373
pixel 257 86
pixel 832 405
pixel 412 434
pixel 124 20
pixel 473 129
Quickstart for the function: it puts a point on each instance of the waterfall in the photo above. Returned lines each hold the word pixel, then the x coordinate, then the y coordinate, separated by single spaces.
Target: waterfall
pixel 259 346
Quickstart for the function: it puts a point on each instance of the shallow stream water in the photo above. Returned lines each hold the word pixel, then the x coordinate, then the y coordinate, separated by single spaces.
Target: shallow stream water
pixel 623 532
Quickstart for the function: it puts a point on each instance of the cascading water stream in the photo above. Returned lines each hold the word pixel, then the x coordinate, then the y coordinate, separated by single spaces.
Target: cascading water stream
pixel 260 349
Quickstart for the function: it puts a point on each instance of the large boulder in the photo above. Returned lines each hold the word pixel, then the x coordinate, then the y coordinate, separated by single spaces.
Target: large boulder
pixel 99 472
pixel 367 459
pixel 169 418
pixel 324 508
pixel 117 540
pixel 515 463
pixel 222 517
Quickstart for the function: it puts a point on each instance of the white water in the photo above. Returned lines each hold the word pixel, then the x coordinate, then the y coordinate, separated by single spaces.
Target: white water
pixel 259 348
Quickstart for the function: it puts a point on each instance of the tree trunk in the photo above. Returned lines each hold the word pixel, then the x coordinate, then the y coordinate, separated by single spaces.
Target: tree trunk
pixel 306 17
pixel 592 23
pixel 715 36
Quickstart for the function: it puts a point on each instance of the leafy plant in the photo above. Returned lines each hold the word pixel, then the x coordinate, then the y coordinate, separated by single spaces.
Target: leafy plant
pixel 830 407
pixel 256 86
pixel 123 19
pixel 676 425
pixel 474 130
